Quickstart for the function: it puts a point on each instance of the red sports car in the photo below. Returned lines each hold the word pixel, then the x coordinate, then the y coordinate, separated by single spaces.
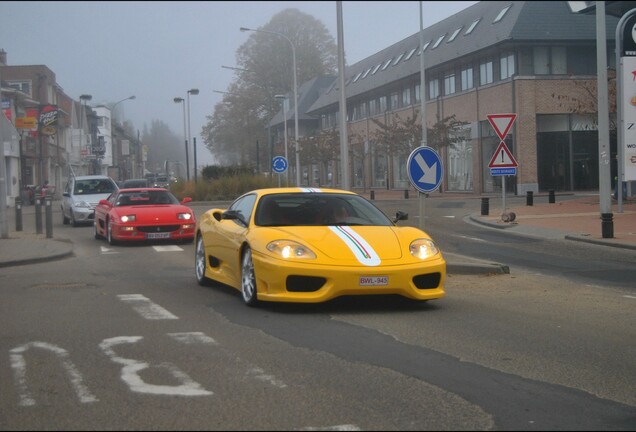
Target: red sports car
pixel 144 214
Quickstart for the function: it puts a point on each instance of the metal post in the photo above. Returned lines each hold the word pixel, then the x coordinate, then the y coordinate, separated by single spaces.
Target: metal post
pixel 551 199
pixel 372 195
pixel 48 212
pixel 529 198
pixel 485 206
pixel 38 215
pixel 18 214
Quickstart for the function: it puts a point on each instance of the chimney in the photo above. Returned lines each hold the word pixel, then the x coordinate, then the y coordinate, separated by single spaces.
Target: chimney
pixel 3 57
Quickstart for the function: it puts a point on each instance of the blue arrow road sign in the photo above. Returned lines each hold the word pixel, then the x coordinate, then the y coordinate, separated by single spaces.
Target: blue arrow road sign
pixel 279 164
pixel 425 169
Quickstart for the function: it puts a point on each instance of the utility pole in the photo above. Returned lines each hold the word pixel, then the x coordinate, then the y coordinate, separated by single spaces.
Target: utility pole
pixel 4 223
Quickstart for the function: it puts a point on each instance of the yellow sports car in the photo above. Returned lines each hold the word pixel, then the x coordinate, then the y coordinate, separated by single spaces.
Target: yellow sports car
pixel 311 245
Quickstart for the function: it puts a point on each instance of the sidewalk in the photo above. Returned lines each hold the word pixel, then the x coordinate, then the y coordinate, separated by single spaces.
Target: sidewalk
pixel 572 218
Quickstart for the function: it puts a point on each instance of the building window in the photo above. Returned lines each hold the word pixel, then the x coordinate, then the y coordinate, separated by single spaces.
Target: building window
pixel 382 102
pixel 472 27
pixel 502 14
pixel 386 65
pixel 485 73
pixel 417 93
pixel 454 35
pixel 406 96
pixel 397 60
pixel 439 41
pixel 467 78
pixel 507 64
pixel 424 49
pixel 410 54
pixel 363 110
pixel 548 60
pixel 366 73
pixel 23 86
pixel 394 101
pixel 373 107
pixel 357 77
pixel 375 69
pixel 433 89
pixel 449 84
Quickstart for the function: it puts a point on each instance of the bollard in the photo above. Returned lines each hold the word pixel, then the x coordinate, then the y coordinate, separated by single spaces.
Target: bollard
pixel 372 195
pixel 484 206
pixel 551 196
pixel 529 198
pixel 607 225
pixel 18 214
pixel 48 212
pixel 38 215
pixel 406 194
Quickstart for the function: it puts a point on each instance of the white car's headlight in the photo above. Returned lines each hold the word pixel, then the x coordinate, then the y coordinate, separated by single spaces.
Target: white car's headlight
pixel 128 218
pixel 184 216
pixel 289 249
pixel 82 204
pixel 423 248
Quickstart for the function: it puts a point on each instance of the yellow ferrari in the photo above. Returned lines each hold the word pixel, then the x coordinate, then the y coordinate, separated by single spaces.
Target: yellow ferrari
pixel 312 245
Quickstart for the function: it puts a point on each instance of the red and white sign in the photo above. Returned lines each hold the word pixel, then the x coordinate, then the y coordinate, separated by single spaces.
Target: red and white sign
pixel 502 123
pixel 502 158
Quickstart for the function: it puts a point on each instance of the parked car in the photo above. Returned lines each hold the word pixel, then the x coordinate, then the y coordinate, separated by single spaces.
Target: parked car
pixel 135 183
pixel 311 245
pixel 144 214
pixel 81 195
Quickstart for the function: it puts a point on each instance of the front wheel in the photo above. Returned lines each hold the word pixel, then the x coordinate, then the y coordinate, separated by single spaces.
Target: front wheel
pixel 248 280
pixel 98 236
pixel 109 234
pixel 199 262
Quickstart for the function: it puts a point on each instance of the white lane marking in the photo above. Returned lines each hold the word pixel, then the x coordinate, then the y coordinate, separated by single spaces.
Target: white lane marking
pixel 131 369
pixel 470 238
pixel 107 251
pixel 450 217
pixel 19 368
pixel 169 248
pixel 628 296
pixel 189 338
pixel 260 375
pixel 345 427
pixel 146 308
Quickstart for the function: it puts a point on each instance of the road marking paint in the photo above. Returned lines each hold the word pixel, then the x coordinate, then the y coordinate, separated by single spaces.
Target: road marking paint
pixel 170 248
pixel 19 368
pixel 189 338
pixel 146 308
pixel 131 369
pixel 345 427
pixel 260 374
pixel 470 238
pixel 107 251
pixel 628 296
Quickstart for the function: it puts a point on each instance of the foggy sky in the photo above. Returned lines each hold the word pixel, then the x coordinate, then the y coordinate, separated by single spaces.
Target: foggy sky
pixel 159 50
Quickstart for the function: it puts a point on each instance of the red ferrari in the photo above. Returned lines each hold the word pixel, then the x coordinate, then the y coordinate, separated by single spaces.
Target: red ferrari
pixel 144 214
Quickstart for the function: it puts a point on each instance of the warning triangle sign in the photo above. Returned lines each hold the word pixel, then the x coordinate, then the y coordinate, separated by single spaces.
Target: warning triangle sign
pixel 502 158
pixel 502 123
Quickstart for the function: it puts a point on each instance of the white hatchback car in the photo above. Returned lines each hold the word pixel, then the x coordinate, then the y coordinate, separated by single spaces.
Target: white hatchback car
pixel 81 195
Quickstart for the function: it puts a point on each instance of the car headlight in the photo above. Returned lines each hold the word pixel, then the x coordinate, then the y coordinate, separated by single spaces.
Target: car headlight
pixel 82 204
pixel 423 248
pixel 184 216
pixel 128 218
pixel 288 249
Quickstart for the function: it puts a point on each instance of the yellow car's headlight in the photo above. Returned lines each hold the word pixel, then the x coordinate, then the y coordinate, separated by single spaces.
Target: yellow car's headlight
pixel 289 249
pixel 423 248
pixel 128 218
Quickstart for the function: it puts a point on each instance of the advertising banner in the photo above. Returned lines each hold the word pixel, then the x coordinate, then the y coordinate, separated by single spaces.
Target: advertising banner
pixel 48 120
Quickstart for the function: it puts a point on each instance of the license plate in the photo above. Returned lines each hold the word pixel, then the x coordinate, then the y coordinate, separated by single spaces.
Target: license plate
pixel 158 235
pixel 374 280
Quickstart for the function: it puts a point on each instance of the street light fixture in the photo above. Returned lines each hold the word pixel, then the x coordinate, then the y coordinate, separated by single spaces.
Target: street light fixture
pixel 181 100
pixel 193 92
pixel 244 29
pixel 283 98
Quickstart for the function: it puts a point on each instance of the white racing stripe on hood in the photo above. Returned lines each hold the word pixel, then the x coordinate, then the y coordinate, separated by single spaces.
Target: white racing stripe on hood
pixel 310 190
pixel 358 245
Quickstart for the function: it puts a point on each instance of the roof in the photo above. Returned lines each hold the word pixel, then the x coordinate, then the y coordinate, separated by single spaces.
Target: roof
pixel 308 92
pixel 476 28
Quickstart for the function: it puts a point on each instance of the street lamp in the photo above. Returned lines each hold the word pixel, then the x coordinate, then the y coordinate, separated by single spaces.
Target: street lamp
pixel 181 100
pixel 244 29
pixel 83 99
pixel 194 92
pixel 112 108
pixel 284 98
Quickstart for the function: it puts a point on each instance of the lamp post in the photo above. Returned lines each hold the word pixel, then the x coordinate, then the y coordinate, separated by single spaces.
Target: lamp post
pixel 83 99
pixel 284 99
pixel 112 108
pixel 181 100
pixel 112 144
pixel 193 92
pixel 243 29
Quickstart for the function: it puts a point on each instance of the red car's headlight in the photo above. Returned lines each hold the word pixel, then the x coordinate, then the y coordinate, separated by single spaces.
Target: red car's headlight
pixel 288 249
pixel 184 216
pixel 128 218
pixel 423 248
